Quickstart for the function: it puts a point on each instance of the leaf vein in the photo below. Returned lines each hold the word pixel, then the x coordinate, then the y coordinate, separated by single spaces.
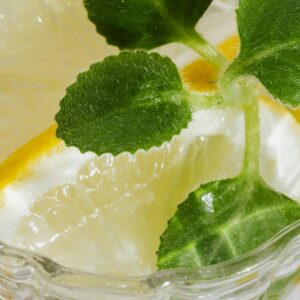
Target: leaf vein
pixel 260 55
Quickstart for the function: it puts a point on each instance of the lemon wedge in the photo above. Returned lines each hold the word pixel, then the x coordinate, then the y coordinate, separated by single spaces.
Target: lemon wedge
pixel 106 214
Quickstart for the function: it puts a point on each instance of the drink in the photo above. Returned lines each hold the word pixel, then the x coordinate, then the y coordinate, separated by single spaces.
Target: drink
pixel 136 194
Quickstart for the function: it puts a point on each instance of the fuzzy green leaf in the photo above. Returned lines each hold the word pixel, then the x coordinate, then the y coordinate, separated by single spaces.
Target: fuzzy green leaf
pixel 223 220
pixel 145 23
pixel 270 46
pixel 127 102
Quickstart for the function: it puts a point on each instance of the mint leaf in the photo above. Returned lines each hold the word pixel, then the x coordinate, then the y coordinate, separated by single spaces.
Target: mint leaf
pixel 270 46
pixel 127 102
pixel 222 220
pixel 145 23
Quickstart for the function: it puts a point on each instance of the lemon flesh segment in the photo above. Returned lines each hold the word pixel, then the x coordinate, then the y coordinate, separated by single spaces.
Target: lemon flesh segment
pixel 32 178
pixel 105 214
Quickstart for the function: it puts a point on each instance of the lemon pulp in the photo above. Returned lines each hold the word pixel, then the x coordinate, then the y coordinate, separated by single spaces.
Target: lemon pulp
pixel 43 46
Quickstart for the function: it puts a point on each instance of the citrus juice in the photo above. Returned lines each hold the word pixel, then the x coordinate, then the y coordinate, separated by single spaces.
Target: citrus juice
pixel 105 214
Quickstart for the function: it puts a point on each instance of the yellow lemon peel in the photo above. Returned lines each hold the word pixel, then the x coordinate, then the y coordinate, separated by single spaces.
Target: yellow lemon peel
pixel 17 163
pixel 200 75
pixel 230 47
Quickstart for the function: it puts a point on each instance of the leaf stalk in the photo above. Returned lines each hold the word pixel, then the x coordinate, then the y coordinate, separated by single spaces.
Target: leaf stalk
pixel 206 50
pixel 251 164
pixel 207 100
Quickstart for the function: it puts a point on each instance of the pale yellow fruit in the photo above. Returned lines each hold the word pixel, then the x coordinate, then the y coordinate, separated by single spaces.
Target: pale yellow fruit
pixel 43 46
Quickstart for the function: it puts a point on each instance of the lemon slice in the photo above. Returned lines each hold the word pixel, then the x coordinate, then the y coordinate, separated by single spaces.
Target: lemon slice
pixel 43 46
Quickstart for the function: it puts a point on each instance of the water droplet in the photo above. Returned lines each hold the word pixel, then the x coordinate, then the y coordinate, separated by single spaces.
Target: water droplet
pixel 208 200
pixel 39 19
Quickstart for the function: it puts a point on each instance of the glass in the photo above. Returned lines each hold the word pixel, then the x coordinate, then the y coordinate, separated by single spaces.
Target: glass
pixel 270 272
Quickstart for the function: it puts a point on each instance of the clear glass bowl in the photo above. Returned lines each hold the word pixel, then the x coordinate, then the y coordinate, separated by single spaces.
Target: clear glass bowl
pixel 270 272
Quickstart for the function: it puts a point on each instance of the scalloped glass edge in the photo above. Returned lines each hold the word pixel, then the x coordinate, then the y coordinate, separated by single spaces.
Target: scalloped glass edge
pixel 23 273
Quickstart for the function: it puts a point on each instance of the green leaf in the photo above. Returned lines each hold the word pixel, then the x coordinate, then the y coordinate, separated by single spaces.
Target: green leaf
pixel 127 102
pixel 223 220
pixel 270 46
pixel 145 23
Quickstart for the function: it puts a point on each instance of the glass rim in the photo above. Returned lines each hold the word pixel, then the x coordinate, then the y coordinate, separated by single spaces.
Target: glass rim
pixel 25 263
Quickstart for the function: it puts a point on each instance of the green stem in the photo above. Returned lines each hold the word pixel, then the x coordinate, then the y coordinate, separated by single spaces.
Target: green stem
pixel 252 137
pixel 206 100
pixel 251 164
pixel 206 50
